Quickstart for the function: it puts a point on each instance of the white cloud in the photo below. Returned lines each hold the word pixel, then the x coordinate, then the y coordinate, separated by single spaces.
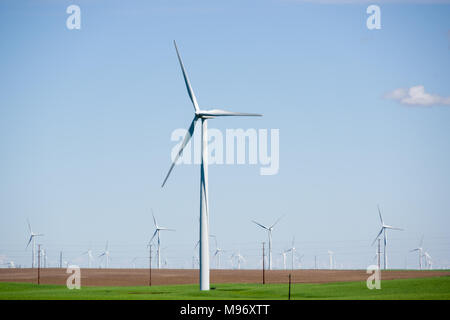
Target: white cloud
pixel 416 96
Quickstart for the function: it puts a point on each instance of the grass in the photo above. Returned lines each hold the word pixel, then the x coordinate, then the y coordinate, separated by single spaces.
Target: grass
pixel 436 288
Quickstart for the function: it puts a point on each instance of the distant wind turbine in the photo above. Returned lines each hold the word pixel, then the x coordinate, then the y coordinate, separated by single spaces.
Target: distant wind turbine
pixel 158 229
pixel 330 254
pixel 217 253
pixel 202 115
pixel 419 249
pixel 33 235
pixel 89 256
pixel 106 255
pixel 292 250
pixel 269 232
pixel 384 227
pixel 239 258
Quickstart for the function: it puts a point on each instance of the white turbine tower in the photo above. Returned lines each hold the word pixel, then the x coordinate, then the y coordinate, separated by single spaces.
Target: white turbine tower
pixel 269 233
pixel 384 227
pixel 203 115
pixel 106 255
pixel 156 233
pixel 419 249
pixel 33 235
pixel 330 254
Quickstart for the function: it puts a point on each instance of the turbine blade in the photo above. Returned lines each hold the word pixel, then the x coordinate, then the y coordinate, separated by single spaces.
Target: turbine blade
pixel 259 224
pixel 394 228
pixel 166 229
pixel 31 238
pixel 378 235
pixel 224 113
pixel 154 234
pixel 154 220
pixel 277 221
pixel 29 226
pixel 183 145
pixel 186 80
pixel 421 241
pixel 379 212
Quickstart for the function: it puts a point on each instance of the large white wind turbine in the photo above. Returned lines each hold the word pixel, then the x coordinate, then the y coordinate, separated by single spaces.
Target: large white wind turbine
pixel 419 249
pixel 384 227
pixel 156 233
pixel 33 235
pixel 269 232
pixel 202 115
pixel 106 255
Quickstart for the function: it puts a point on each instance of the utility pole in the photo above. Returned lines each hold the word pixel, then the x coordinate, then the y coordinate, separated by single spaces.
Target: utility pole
pixel 263 269
pixel 60 259
pixel 289 297
pixel 150 264
pixel 39 264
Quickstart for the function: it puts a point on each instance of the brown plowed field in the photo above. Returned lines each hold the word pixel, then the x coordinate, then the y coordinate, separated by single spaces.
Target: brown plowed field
pixel 140 277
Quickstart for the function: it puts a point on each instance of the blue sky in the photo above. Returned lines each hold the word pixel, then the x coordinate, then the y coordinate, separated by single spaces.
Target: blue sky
pixel 86 117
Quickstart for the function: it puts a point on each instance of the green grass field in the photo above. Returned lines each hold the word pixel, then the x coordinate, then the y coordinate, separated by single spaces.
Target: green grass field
pixel 423 288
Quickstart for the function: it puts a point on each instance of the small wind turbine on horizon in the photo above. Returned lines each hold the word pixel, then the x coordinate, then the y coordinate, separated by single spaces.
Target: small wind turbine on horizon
pixel 202 115
pixel 106 255
pixel 89 256
pixel 158 229
pixel 419 249
pixel 269 232
pixel 330 254
pixel 33 235
pixel 292 250
pixel 239 258
pixel 217 253
pixel 283 254
pixel 384 227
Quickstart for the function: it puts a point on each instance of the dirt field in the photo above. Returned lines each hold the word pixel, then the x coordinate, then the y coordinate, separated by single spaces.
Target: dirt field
pixel 139 277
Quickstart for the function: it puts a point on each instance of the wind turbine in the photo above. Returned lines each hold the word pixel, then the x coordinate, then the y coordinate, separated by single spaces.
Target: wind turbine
pixel 90 257
pixel 217 253
pixel 284 258
pixel 156 233
pixel 269 232
pixel 292 249
pixel 238 258
pixel 419 249
pixel 428 260
pixel 106 255
pixel 384 227
pixel 203 115
pixel 330 254
pixel 33 235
